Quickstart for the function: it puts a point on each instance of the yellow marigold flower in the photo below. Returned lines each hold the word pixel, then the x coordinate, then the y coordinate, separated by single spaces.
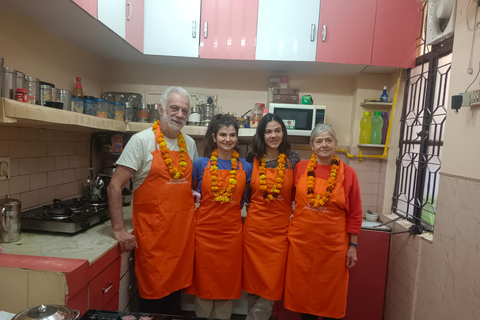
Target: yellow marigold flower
pixel 163 144
pixel 263 177
pixel 168 161
pixel 214 188
pixel 183 164
pixel 213 158
pixel 233 172
pixel 322 203
pixel 279 180
pixel 233 181
pixel 270 197
pixel 214 168
pixel 176 175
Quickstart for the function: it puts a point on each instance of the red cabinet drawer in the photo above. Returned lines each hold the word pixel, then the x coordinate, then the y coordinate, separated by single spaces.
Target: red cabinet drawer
pixel 104 286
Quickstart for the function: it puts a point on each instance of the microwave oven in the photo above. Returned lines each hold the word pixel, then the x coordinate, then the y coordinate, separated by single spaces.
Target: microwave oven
pixel 300 119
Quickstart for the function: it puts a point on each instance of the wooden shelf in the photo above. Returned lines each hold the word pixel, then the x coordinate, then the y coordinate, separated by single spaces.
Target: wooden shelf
pixel 377 104
pixel 361 145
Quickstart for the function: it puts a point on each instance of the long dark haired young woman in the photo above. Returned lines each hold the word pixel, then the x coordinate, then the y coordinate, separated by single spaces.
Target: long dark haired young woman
pixel 270 207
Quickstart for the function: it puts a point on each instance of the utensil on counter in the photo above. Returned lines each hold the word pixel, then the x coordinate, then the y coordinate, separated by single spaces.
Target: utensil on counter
pixel 10 219
pixel 48 312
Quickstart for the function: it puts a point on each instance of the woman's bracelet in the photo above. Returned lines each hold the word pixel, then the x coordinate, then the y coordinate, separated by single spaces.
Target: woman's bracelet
pixel 353 244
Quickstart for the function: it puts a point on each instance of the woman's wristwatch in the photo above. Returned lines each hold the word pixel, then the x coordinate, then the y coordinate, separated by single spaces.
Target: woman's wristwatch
pixel 351 244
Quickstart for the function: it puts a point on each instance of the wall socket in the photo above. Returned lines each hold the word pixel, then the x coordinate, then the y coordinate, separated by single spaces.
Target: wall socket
pixel 5 168
pixel 474 97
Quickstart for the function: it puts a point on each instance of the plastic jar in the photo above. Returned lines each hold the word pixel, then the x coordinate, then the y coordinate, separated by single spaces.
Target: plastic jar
pixel 143 113
pixel 77 104
pixel 102 108
pixel 90 107
pixel 119 111
pixel 129 112
pixel 111 110
pixel 153 114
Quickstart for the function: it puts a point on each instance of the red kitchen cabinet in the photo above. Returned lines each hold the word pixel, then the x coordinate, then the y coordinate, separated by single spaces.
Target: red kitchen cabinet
pixel 89 5
pixel 134 23
pixel 366 287
pixel 397 27
pixel 228 29
pixel 345 31
pixel 105 286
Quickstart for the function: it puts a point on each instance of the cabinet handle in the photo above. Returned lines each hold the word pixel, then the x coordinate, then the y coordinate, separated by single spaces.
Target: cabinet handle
pixel 324 32
pixel 205 29
pixel 129 4
pixel 130 287
pixel 130 259
pixel 194 29
pixel 312 33
pixel 105 290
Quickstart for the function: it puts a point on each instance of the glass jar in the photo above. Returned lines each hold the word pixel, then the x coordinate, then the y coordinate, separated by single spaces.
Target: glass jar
pixel 153 114
pixel 66 98
pixel 90 107
pixel 55 94
pixel 45 94
pixel 9 83
pixel 129 112
pixel 119 111
pixel 102 108
pixel 33 89
pixel 257 114
pixel 143 113
pixel 111 110
pixel 20 81
pixel 77 104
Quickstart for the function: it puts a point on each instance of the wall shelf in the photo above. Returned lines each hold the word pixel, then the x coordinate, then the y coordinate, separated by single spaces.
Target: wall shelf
pixel 364 145
pixel 376 104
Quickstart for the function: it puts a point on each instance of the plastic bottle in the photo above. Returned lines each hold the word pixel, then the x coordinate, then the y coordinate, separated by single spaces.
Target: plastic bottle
pixel 385 127
pixel 78 91
pixel 384 96
pixel 377 124
pixel 365 128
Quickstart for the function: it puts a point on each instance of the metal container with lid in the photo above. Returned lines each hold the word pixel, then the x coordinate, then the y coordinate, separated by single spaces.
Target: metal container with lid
pixel 129 112
pixel 66 98
pixel 20 81
pixel 48 312
pixel 45 94
pixel 154 115
pixel 9 83
pixel 55 94
pixel 33 88
pixel 10 219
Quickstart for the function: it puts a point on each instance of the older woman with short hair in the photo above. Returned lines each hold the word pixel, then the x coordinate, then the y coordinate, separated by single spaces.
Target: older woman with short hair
pixel 323 231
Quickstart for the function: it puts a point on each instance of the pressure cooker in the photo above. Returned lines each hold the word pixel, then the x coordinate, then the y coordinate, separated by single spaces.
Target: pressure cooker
pixel 48 312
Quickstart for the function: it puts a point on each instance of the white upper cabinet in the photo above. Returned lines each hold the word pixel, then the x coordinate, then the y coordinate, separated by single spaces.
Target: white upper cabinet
pixel 287 30
pixel 172 27
pixel 112 14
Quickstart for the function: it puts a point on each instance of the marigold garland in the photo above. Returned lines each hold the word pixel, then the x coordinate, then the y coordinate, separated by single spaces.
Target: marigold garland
pixel 318 200
pixel 182 145
pixel 227 193
pixel 275 191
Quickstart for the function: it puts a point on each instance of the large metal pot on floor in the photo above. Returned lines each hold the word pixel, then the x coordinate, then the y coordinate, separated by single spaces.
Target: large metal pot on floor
pixel 48 312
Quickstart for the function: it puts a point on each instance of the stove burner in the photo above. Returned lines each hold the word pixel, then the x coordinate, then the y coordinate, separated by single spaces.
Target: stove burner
pixel 57 211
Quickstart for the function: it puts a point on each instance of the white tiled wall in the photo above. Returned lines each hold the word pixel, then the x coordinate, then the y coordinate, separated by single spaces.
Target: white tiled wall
pixel 44 164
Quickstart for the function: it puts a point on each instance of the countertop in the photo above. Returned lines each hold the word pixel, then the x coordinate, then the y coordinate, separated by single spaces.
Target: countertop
pixel 89 245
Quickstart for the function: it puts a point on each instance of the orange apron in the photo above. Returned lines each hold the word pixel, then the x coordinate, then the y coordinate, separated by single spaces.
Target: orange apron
pixel 317 278
pixel 265 237
pixel 218 241
pixel 164 222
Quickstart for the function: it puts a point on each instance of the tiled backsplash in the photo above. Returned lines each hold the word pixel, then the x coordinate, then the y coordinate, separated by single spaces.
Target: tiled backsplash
pixel 44 164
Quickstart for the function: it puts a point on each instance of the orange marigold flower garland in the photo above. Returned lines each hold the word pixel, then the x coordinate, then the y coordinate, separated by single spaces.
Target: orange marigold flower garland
pixel 277 186
pixel 318 200
pixel 227 193
pixel 182 145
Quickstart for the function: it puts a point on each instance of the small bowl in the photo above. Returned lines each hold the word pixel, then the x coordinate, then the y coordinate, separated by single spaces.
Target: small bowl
pixel 371 216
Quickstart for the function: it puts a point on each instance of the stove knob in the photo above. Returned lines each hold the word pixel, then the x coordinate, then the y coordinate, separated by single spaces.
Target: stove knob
pixel 85 224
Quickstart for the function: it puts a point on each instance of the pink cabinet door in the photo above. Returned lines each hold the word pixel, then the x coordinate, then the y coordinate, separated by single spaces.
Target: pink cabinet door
pixel 397 27
pixel 88 5
pixel 134 23
pixel 228 29
pixel 345 31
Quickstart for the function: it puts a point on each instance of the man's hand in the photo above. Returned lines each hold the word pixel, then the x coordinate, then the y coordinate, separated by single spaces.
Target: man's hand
pixel 125 239
pixel 196 196
pixel 351 257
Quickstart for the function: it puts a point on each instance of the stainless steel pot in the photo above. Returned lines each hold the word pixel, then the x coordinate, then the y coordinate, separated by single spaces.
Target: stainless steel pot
pixel 10 219
pixel 48 312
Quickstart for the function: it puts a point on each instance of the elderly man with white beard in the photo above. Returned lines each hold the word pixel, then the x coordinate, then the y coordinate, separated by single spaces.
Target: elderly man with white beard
pixel 160 161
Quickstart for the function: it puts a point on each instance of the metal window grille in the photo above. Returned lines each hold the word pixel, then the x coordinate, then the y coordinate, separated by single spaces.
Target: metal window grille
pixel 421 136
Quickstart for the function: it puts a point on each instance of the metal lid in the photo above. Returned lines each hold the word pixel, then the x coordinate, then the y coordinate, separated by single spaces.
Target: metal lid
pixel 45 86
pixel 31 79
pixel 64 91
pixel 7 201
pixel 47 312
pixel 20 74
pixel 7 69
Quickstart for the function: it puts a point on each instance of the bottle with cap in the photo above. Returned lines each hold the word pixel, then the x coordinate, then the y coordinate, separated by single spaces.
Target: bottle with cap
pixel 384 96
pixel 377 125
pixel 78 91
pixel 365 128
pixel 385 127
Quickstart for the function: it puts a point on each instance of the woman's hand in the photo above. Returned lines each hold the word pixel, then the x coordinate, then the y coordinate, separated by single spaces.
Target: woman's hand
pixel 351 257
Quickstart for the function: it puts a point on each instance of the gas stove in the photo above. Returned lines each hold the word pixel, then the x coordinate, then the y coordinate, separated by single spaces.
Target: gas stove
pixel 116 315
pixel 68 216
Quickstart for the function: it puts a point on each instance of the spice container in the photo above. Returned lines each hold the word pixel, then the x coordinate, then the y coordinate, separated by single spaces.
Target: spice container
pixel 33 89
pixel 77 105
pixel 9 83
pixel 55 94
pixel 153 113
pixel 66 98
pixel 45 94
pixel 129 112
pixel 90 107
pixel 20 81
pixel 21 95
pixel 119 111
pixel 102 108
pixel 143 113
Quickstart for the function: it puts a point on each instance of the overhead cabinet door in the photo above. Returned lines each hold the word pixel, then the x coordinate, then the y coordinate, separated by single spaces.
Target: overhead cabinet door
pixel 134 24
pixel 287 30
pixel 112 14
pixel 172 27
pixel 229 29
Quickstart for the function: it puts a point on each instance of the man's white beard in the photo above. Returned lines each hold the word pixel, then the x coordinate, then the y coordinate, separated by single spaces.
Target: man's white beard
pixel 171 124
